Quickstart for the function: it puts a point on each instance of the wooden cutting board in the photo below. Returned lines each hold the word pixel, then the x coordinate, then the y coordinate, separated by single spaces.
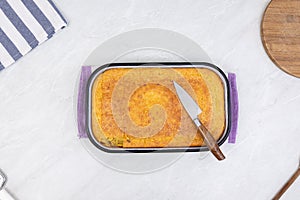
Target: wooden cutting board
pixel 280 33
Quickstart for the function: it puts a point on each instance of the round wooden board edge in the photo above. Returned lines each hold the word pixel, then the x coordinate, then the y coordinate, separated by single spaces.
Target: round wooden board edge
pixel 266 48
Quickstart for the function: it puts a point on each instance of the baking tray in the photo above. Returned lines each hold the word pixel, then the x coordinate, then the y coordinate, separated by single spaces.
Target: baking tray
pixel 161 65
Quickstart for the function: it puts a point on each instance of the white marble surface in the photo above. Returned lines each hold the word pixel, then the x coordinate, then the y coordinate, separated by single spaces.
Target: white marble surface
pixel 43 158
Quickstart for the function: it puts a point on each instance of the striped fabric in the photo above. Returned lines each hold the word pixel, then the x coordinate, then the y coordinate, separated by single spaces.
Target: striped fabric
pixel 24 24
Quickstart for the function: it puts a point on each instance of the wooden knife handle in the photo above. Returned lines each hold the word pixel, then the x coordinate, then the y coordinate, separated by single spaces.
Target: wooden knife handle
pixel 211 143
pixel 286 186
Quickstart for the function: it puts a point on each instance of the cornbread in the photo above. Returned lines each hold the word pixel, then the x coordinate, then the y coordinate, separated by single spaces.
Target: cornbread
pixel 138 107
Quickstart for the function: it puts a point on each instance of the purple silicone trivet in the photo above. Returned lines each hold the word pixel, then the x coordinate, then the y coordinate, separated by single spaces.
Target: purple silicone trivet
pixel 234 107
pixel 85 74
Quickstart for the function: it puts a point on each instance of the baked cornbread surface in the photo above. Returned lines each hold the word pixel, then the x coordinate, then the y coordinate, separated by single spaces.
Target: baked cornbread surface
pixel 138 107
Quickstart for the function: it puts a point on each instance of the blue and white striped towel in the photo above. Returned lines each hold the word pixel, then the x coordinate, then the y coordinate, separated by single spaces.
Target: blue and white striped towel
pixel 24 24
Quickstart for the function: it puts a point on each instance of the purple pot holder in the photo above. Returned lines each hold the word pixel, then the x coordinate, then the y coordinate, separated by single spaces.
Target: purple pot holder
pixel 81 103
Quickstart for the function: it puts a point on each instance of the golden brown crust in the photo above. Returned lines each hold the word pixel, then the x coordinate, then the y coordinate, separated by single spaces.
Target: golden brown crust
pixel 155 101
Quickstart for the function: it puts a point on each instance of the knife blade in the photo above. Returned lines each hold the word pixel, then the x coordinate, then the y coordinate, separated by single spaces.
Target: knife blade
pixel 193 110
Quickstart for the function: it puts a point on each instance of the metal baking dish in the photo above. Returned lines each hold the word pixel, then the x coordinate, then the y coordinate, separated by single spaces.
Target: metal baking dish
pixel 103 68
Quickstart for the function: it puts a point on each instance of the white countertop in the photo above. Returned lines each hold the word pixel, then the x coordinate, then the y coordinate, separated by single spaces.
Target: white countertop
pixel 39 148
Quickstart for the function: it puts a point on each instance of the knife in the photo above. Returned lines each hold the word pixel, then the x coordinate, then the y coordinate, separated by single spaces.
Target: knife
pixel 193 111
